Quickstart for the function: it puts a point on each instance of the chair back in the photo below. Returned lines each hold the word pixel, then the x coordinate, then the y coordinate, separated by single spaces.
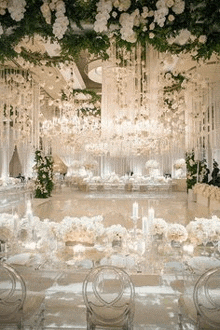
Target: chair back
pixel 108 293
pixel 206 296
pixel 12 293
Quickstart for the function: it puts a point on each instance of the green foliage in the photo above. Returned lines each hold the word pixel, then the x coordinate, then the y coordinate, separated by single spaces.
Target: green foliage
pixel 200 17
pixel 191 170
pixel 93 99
pixel 44 181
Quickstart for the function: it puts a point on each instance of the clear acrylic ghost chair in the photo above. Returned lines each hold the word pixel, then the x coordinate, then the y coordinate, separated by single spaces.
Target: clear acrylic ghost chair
pixel 206 297
pixel 200 304
pixel 12 297
pixel 108 294
pixel 19 309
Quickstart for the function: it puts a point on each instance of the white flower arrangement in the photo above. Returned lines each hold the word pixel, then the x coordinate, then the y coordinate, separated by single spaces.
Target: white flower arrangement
pixel 159 226
pixel 176 232
pixel 179 163
pixel 202 229
pixel 116 230
pixel 207 190
pixel 89 228
pixel 49 235
pixel 151 164
pixel 90 165
pixel 61 22
pixel 17 9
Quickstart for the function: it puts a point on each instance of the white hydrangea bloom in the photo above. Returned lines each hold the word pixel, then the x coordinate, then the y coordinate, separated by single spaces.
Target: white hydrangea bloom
pixel 104 8
pixel 100 24
pixel 61 23
pixel 122 5
pixel 178 7
pixel 160 16
pixel 60 7
pixel 203 39
pixel 127 23
pixel 160 4
pixel 46 12
pixel 16 9
pixel 182 38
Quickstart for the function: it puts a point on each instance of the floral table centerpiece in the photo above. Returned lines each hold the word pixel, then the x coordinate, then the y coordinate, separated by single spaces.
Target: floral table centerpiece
pixel 210 192
pixel 202 229
pixel 180 168
pixel 176 234
pixel 159 228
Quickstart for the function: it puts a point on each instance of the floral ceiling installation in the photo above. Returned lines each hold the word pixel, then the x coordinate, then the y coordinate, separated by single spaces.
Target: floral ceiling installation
pixel 176 26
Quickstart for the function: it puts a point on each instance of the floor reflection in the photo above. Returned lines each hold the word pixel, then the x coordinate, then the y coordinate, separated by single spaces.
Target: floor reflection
pixel 171 206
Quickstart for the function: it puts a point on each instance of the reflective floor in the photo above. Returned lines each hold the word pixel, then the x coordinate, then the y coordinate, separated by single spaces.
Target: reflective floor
pixel 156 297
pixel 116 207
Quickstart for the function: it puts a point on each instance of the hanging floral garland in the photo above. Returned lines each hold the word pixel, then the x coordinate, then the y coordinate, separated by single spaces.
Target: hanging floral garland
pixel 169 25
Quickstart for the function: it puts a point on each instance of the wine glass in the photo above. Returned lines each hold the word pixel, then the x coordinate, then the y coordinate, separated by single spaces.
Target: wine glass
pixel 204 243
pixel 216 245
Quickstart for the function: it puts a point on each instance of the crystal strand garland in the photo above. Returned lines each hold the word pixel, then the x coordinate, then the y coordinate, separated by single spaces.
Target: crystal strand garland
pixel 17 114
pixel 138 76
pixel 145 82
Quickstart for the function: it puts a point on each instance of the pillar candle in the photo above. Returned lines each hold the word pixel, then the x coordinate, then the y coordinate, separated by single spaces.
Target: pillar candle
pixel 150 216
pixel 135 210
pixel 144 225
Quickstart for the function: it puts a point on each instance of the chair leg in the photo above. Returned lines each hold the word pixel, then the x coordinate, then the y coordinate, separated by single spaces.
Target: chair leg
pixel 90 326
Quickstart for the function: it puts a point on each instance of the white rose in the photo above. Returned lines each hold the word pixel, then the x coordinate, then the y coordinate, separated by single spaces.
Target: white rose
pixel 124 5
pixel 45 9
pixel 152 26
pixel 60 6
pixel 4 4
pixel 151 35
pixel 160 16
pixel 171 18
pixel 178 7
pixel 116 3
pixel 132 37
pixel 183 37
pixel 169 3
pixel 144 12
pixel 114 14
pixel 202 39
pixel 160 4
